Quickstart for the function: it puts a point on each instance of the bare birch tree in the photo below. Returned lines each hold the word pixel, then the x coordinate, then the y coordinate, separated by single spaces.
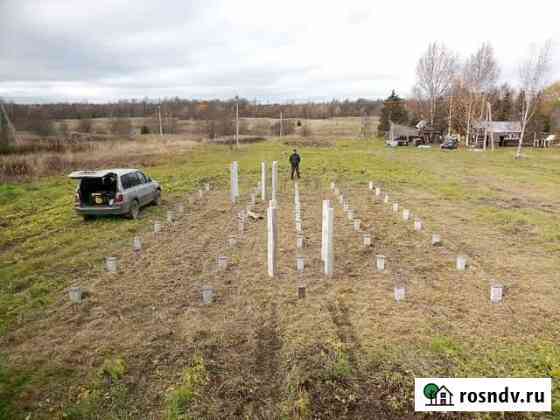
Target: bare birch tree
pixel 480 74
pixel 532 79
pixel 435 72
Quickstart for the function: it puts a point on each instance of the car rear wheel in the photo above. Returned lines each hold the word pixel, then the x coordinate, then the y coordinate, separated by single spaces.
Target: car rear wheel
pixel 134 211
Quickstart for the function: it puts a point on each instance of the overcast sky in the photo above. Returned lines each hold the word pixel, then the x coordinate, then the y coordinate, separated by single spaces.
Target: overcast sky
pixel 266 50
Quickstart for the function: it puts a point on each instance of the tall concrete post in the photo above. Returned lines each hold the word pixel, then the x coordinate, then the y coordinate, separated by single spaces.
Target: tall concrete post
pixel 274 179
pixel 263 181
pixel 329 252
pixel 326 205
pixel 272 240
pixel 234 175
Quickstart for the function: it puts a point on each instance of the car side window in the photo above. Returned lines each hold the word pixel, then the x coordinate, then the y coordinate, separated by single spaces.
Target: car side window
pixel 124 182
pixel 128 181
pixel 141 178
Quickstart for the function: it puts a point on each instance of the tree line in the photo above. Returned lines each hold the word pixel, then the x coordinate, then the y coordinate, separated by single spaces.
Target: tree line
pixel 39 117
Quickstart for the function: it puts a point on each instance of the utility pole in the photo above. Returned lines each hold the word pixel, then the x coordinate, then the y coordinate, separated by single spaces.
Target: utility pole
pixel 159 117
pixel 281 125
pixel 237 124
pixel 449 122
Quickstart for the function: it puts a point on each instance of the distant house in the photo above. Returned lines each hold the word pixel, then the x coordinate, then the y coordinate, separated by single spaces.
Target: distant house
pixel 506 133
pixel 401 133
pixel 428 133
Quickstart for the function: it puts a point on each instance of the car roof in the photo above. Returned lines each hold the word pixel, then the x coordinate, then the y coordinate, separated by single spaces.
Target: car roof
pixel 100 173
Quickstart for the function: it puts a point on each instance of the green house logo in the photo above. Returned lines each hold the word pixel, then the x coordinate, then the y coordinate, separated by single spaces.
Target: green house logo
pixel 439 396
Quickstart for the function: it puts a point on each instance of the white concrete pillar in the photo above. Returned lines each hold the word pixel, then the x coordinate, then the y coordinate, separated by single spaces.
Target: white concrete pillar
pixel 399 293
pixel 222 262
pixel 496 293
pixel 111 264
pixel 234 172
pixel 370 185
pixel 418 225
pixel 436 239
pixel 274 179
pixel 272 239
pixel 329 255
pixel 406 214
pixel 207 295
pixel 300 263
pixel 137 244
pixel 380 262
pixel 263 181
pixel 461 263
pixel 75 294
pixel 367 239
pixel 377 191
pixel 326 206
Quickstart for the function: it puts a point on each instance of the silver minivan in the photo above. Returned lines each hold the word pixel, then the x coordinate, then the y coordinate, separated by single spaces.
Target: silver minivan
pixel 114 191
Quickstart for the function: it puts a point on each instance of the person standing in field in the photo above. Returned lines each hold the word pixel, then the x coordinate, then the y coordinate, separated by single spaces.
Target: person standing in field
pixel 295 159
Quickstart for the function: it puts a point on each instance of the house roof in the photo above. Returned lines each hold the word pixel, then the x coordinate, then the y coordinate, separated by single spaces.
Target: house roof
pixel 499 126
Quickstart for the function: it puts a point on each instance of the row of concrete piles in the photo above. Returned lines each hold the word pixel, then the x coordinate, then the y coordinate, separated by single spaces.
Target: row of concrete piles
pixel 461 261
pixel 111 263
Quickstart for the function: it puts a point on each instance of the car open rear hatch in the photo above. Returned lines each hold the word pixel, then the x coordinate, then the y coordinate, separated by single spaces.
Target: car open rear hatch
pixel 97 188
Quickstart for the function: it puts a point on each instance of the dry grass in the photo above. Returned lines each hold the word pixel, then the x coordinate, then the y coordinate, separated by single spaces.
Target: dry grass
pixel 58 159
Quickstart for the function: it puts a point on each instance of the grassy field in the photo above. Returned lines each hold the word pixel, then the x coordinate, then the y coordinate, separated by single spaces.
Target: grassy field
pixel 142 345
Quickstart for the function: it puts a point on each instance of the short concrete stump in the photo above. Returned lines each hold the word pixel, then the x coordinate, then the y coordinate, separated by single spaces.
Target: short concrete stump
pixel 207 186
pixel 496 293
pixel 406 215
pixel 380 262
pixel 461 263
pixel 137 244
pixel 367 239
pixel 111 264
pixel 386 199
pixel 207 295
pixel 395 207
pixel 357 225
pixel 400 293
pixel 75 294
pixel 222 262
pixel 417 225
pixel 370 185
pixel 157 227
pixel 377 191
pixel 436 239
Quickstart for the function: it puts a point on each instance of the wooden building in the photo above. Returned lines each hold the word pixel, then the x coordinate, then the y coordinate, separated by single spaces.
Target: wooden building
pixel 506 133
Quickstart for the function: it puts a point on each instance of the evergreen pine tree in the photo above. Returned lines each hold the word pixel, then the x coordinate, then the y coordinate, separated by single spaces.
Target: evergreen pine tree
pixel 393 110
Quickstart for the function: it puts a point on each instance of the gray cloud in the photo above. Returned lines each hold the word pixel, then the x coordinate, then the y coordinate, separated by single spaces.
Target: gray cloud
pixel 111 49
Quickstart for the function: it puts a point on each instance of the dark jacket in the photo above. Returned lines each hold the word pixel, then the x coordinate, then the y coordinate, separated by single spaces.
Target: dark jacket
pixel 295 159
